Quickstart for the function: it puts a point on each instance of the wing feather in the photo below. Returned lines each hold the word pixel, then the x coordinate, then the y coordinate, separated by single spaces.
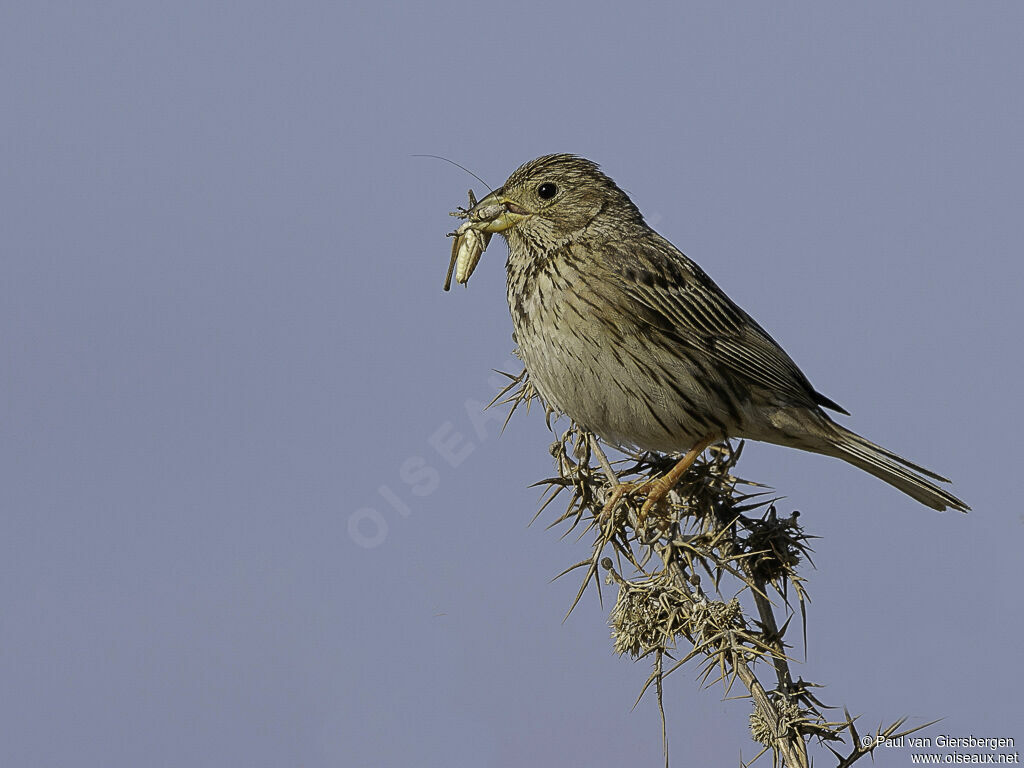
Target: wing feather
pixel 675 296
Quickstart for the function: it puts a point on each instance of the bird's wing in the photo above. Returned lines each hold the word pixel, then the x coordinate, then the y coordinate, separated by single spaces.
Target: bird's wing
pixel 675 296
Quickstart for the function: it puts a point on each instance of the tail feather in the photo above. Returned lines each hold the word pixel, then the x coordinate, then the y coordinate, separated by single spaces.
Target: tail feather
pixel 894 470
pixel 875 448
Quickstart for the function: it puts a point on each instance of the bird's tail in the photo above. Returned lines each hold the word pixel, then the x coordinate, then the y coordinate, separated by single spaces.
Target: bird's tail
pixel 893 469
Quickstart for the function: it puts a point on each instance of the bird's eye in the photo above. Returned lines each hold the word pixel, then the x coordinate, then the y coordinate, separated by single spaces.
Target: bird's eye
pixel 547 190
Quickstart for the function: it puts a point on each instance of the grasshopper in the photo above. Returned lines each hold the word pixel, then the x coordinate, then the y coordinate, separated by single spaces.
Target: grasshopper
pixel 469 243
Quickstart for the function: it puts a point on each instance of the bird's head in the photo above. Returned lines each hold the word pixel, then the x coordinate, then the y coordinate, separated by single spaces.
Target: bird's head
pixel 550 201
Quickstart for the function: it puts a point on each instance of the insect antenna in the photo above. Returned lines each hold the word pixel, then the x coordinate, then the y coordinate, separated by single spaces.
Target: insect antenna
pixel 439 157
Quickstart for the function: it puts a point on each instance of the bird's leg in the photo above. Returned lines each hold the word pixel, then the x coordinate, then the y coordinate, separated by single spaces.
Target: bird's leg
pixel 655 489
pixel 615 497
pixel 659 488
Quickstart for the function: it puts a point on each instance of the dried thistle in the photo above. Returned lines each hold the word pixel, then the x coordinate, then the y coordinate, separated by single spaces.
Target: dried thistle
pixel 715 524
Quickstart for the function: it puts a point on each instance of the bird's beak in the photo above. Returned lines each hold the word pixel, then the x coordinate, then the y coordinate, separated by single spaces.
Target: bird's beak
pixel 496 213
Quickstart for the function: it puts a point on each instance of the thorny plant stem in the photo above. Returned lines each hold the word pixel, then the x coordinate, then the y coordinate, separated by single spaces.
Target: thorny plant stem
pixel 711 527
pixel 771 627
pixel 606 465
pixel 792 748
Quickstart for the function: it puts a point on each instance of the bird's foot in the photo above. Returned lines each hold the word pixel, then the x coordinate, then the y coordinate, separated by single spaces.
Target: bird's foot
pixel 654 491
pixel 619 492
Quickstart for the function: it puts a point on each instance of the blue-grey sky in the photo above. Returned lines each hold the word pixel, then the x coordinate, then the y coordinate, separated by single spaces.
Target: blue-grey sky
pixel 249 511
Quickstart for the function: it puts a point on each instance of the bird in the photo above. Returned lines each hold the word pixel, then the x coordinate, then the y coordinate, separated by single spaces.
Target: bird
pixel 631 339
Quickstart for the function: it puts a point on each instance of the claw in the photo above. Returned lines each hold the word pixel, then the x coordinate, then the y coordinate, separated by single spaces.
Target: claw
pixel 656 489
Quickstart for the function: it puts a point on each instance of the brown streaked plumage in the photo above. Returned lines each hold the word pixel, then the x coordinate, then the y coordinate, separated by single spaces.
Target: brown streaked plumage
pixel 623 333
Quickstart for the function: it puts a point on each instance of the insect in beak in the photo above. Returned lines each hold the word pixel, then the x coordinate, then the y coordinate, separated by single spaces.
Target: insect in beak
pixel 485 218
pixel 495 213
